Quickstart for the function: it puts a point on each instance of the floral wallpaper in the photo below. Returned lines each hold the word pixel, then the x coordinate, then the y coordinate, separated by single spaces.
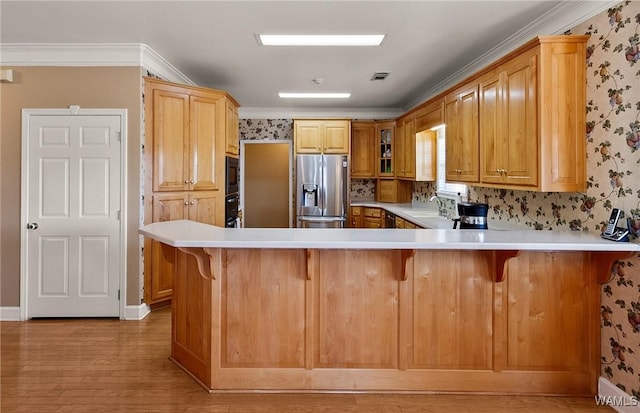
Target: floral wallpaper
pixel 613 169
pixel 266 129
pixel 613 149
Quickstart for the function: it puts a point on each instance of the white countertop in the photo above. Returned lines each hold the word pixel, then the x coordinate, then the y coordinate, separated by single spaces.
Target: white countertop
pixel 426 215
pixel 186 233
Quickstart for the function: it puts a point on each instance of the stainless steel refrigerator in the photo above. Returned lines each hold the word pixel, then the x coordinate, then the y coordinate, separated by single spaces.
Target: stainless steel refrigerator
pixel 322 191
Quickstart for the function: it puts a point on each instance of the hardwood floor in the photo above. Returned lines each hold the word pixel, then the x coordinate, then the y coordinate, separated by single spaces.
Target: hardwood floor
pixel 76 365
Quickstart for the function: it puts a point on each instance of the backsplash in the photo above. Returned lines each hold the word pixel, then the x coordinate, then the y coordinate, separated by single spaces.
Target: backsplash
pixel 363 189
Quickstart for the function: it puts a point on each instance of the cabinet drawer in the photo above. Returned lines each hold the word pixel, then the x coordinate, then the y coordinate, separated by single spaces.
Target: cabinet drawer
pixel 372 222
pixel 356 211
pixel 372 212
pixel 410 225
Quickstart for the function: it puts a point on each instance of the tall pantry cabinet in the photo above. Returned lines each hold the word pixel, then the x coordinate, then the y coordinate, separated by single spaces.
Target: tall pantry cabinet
pixel 187 132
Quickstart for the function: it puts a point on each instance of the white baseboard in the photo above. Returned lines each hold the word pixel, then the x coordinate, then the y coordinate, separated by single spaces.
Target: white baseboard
pixel 136 312
pixel 131 312
pixel 612 396
pixel 9 313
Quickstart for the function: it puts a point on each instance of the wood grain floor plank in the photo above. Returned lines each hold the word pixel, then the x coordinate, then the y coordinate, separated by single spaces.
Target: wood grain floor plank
pixel 105 365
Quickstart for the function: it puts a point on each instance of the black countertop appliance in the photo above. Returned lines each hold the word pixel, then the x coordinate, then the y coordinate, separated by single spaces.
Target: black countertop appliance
pixel 473 215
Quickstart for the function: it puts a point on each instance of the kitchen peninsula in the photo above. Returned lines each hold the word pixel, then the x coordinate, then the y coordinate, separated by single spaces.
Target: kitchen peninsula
pixel 390 310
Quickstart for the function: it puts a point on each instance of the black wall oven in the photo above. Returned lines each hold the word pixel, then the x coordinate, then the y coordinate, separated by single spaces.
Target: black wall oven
pixel 232 175
pixel 231 211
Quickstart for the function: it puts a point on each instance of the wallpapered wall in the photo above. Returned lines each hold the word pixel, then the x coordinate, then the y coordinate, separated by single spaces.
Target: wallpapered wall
pixel 613 166
pixel 613 170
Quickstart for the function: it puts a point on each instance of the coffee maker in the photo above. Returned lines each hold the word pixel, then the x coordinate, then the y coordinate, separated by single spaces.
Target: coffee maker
pixel 473 215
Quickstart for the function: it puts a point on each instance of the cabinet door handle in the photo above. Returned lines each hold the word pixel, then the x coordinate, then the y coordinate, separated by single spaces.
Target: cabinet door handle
pixel 186 182
pixel 186 203
pixel 192 202
pixel 192 182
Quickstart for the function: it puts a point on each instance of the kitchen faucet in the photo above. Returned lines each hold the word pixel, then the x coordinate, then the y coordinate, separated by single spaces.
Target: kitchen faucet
pixel 442 211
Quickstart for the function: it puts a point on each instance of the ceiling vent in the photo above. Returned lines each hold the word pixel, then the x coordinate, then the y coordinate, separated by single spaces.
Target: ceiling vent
pixel 379 75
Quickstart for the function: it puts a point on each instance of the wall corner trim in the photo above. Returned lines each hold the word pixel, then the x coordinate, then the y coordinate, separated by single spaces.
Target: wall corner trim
pixel 136 312
pixel 612 396
pixel 90 55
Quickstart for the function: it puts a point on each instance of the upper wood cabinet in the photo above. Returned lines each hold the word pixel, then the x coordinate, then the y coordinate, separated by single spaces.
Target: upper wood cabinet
pixel 430 115
pixel 426 149
pixel 416 148
pixel 461 118
pixel 232 136
pixel 363 149
pixel 385 148
pixel 393 190
pixel 520 123
pixel 321 136
pixel 186 132
pixel 561 122
pixel 532 118
pixel 508 133
pixel 405 148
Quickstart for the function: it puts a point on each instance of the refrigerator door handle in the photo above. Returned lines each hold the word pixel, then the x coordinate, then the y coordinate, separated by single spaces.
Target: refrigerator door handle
pixel 322 191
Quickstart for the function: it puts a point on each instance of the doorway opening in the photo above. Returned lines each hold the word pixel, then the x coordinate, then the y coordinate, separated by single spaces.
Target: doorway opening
pixel 265 183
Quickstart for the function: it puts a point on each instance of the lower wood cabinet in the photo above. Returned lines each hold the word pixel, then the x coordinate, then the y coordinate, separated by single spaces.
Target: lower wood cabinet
pixel 355 217
pixel 372 218
pixel 200 206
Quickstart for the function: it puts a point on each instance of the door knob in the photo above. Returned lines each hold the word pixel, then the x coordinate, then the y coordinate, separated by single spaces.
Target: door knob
pixel 32 225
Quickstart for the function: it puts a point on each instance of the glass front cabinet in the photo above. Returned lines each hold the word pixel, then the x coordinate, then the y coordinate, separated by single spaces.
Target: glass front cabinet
pixel 385 132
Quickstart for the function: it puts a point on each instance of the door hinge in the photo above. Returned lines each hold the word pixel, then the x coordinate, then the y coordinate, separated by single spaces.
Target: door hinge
pixel 118 295
pixel 119 136
pixel 119 214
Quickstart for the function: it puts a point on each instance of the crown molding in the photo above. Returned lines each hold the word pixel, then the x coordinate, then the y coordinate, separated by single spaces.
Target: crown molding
pixel 90 55
pixel 293 113
pixel 565 16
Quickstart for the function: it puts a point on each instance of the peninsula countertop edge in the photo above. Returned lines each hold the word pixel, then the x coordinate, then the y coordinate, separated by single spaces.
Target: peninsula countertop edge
pixel 191 234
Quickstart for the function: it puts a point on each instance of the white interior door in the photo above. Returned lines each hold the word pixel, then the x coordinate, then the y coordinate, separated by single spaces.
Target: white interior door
pixel 73 230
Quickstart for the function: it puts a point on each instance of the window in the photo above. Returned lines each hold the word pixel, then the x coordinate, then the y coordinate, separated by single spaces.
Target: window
pixel 443 188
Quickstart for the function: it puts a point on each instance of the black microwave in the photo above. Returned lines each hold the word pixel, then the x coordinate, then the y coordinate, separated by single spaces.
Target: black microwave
pixel 232 175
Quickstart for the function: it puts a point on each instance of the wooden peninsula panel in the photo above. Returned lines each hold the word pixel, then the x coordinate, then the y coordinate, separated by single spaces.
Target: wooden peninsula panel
pixel 193 318
pixel 551 303
pixel 388 320
pixel 356 309
pixel 451 298
pixel 263 319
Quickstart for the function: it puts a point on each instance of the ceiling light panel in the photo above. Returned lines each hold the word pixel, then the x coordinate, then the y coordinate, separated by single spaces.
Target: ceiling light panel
pixel 305 95
pixel 320 40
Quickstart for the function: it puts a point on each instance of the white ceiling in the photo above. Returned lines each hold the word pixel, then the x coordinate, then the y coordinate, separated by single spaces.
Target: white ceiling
pixel 212 42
